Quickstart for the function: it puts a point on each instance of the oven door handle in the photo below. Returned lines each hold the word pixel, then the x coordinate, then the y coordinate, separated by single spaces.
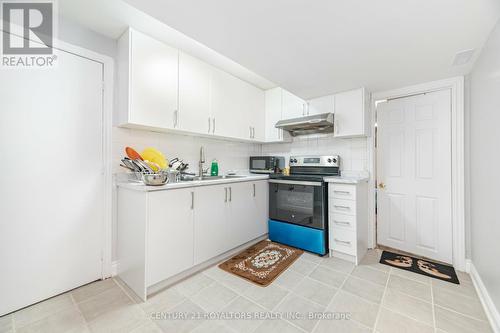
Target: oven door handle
pixel 295 182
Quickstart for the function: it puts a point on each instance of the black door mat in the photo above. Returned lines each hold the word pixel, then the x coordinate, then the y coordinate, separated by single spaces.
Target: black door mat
pixel 420 266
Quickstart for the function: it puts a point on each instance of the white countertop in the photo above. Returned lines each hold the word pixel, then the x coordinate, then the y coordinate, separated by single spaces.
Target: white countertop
pixel 346 179
pixel 138 186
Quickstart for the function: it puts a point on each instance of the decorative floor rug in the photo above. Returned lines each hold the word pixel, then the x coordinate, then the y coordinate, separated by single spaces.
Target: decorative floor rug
pixel 420 266
pixel 262 262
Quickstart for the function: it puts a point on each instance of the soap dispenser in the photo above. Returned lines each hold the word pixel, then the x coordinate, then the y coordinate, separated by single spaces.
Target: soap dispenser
pixel 214 170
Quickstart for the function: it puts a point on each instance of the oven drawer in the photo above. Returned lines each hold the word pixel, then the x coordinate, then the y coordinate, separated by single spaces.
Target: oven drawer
pixel 342 191
pixel 342 221
pixel 343 206
pixel 343 240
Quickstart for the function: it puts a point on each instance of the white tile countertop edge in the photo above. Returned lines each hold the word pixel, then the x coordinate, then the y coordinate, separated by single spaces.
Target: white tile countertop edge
pixel 346 180
pixel 137 186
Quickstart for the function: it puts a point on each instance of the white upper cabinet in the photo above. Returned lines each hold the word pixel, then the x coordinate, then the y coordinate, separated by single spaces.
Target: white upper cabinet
pixel 256 109
pixel 273 115
pixel 163 89
pixel 292 106
pixel 325 104
pixel 148 71
pixel 237 107
pixel 228 117
pixel 194 95
pixel 351 114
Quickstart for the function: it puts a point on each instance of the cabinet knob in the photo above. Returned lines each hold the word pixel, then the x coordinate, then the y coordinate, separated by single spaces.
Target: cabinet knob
pixel 381 185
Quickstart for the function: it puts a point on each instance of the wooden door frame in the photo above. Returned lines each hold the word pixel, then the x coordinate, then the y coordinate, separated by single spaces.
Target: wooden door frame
pixel 456 86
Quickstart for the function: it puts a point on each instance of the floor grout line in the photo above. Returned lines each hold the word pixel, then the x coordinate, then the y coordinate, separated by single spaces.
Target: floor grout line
pixel 79 311
pixel 433 310
pixel 382 302
pixel 462 314
pixel 333 298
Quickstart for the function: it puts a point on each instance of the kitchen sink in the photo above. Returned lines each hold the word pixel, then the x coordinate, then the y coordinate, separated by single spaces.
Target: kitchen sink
pixel 205 178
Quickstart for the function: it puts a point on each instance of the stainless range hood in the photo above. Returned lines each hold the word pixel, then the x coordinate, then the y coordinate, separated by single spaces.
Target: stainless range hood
pixel 319 123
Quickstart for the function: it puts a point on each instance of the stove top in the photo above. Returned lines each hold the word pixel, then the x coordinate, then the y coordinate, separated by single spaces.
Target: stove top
pixel 311 168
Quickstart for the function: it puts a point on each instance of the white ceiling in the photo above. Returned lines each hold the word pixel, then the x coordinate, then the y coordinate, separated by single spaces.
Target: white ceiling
pixel 314 48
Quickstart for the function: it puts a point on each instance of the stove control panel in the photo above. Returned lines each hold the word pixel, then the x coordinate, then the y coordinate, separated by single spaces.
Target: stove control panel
pixel 315 161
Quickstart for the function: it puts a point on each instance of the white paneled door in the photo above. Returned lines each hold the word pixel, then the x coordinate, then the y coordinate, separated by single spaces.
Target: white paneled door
pixel 52 180
pixel 414 175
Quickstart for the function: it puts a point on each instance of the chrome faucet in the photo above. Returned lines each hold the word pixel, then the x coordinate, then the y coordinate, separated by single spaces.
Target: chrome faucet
pixel 202 161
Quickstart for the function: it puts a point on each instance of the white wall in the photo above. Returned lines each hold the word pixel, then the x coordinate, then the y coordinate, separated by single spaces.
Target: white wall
pixel 484 165
pixel 73 33
pixel 353 152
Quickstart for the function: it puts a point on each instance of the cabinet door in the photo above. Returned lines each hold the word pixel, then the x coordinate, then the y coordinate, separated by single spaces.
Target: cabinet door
pixel 256 108
pixel 248 211
pixel 227 107
pixel 241 214
pixel 211 235
pixel 349 118
pixel 320 105
pixel 153 82
pixel 260 196
pixel 292 106
pixel 169 234
pixel 194 94
pixel 273 114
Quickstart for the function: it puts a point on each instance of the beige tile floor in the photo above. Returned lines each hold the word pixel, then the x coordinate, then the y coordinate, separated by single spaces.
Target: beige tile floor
pixel 377 297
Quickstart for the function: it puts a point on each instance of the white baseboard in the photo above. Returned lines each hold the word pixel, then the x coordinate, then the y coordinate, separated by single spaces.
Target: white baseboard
pixel 467 265
pixel 114 268
pixel 484 296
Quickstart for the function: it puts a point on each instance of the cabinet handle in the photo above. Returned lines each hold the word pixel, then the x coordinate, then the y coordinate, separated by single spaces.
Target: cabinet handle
pixel 230 194
pixel 342 192
pixel 192 200
pixel 208 125
pixel 176 117
pixel 225 194
pixel 342 241
pixel 253 132
pixel 342 207
pixel 253 190
pixel 213 122
pixel 250 129
pixel 341 222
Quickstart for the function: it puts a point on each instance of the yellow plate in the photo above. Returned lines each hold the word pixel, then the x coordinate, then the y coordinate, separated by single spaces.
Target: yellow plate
pixel 155 156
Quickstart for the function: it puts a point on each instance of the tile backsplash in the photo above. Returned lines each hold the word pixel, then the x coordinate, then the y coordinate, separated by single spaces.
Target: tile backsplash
pixel 234 155
pixel 353 152
pixel 230 155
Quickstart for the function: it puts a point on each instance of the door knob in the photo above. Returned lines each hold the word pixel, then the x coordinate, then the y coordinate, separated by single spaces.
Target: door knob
pixel 381 185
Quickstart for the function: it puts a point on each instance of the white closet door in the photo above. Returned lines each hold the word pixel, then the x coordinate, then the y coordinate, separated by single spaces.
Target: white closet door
pixel 51 193
pixel 414 175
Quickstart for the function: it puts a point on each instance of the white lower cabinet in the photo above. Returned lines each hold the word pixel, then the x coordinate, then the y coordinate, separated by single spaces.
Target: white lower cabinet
pixel 348 220
pixel 170 213
pixel 211 234
pixel 248 211
pixel 161 234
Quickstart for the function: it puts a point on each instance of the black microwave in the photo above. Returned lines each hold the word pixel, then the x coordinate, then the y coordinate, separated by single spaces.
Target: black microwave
pixel 266 164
